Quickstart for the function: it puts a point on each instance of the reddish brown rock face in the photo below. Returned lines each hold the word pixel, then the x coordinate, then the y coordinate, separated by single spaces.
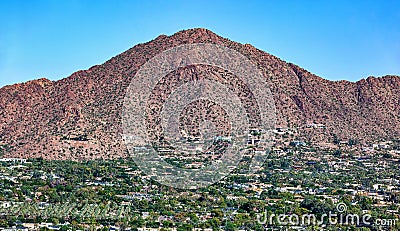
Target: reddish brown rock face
pixel 80 116
pixel 204 111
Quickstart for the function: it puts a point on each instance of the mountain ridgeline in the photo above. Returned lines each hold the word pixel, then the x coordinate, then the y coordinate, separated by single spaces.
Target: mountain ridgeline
pixel 79 117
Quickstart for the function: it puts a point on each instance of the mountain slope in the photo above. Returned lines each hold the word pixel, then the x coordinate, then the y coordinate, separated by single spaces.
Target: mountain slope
pixel 79 116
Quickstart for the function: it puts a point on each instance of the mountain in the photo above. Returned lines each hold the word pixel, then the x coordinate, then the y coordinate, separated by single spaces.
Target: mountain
pixel 80 116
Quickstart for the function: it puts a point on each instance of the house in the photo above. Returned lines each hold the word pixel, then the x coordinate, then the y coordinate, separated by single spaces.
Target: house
pixel 194 165
pixel 14 160
pixel 382 145
pixel 223 139
pixel 5 204
pixel 259 151
pixel 314 125
pixel 278 151
pixel 297 143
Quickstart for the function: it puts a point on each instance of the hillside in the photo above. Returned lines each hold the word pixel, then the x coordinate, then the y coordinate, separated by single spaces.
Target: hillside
pixel 80 116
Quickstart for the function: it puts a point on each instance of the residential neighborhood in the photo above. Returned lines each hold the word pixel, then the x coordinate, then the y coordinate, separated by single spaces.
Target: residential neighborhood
pixel 297 177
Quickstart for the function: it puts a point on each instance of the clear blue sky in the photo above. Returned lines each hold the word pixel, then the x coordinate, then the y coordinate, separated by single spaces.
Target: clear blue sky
pixel 333 39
